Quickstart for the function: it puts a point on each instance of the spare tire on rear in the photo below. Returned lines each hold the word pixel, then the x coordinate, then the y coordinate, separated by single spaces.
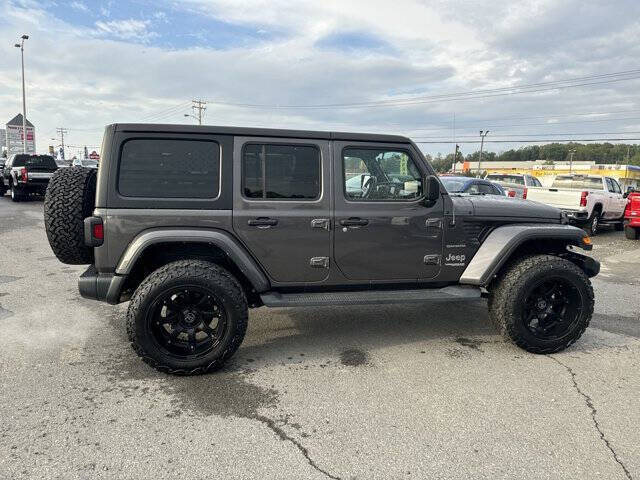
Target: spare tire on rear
pixel 70 198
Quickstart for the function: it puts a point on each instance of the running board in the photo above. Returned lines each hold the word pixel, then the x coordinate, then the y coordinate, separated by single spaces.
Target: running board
pixel 368 297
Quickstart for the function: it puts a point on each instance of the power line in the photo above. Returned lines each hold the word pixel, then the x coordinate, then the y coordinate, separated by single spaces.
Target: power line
pixel 538 134
pixel 475 94
pixel 199 107
pixel 554 140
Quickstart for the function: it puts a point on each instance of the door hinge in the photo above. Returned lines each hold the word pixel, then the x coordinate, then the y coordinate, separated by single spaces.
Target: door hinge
pixel 323 223
pixel 432 259
pixel 319 262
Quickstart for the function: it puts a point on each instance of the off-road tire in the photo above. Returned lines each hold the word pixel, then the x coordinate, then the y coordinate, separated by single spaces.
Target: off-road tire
pixel 593 224
pixel 16 194
pixel 3 189
pixel 631 233
pixel 187 272
pixel 507 296
pixel 69 199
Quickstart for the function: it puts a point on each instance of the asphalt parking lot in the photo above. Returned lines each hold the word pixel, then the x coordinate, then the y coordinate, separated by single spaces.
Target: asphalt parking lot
pixel 419 391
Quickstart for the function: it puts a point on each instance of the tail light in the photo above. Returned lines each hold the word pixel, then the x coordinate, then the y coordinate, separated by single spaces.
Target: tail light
pixel 511 194
pixel 524 194
pixel 93 231
pixel 24 176
pixel 583 199
pixel 98 231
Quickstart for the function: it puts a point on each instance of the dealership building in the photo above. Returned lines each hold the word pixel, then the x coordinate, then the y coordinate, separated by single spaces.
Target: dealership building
pixel 626 175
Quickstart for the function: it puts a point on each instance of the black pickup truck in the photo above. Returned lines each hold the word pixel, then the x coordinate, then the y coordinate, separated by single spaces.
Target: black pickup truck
pixel 24 174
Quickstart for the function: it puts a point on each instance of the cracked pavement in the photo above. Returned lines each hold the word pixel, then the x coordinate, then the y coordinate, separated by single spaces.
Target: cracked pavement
pixel 415 391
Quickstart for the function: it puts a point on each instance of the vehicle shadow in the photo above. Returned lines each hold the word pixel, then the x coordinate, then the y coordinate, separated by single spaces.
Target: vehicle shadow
pixel 281 335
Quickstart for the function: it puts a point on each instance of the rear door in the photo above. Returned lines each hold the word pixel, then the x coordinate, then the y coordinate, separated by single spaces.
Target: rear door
pixel 282 206
pixel 384 231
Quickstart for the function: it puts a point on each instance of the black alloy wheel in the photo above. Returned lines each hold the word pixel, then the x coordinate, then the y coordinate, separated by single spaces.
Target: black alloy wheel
pixel 552 308
pixel 187 321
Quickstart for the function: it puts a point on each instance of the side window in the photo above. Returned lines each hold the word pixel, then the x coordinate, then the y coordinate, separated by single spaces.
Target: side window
pixel 473 189
pixel 609 185
pixel 536 182
pixel 380 174
pixel 486 188
pixel 281 172
pixel 616 186
pixel 163 168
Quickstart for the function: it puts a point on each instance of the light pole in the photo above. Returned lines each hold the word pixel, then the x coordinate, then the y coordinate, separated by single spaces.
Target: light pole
pixel 481 145
pixel 24 96
pixel 571 152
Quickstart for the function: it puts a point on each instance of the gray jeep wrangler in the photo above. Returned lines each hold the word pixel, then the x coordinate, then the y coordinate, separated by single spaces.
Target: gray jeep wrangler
pixel 195 224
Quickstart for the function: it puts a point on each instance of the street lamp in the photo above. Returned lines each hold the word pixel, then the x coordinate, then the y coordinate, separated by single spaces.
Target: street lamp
pixel 481 145
pixel 24 98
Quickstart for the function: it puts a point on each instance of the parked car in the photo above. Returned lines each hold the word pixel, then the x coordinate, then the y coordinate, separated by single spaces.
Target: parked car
pixel 194 225
pixel 24 174
pixel 472 186
pixel 632 216
pixel 588 201
pixel 84 162
pixel 514 184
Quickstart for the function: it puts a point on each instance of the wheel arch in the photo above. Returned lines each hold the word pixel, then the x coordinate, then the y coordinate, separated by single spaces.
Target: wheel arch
pixel 511 241
pixel 154 248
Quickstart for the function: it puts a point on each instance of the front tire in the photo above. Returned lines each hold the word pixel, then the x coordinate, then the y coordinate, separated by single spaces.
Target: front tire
pixel 542 303
pixel 188 317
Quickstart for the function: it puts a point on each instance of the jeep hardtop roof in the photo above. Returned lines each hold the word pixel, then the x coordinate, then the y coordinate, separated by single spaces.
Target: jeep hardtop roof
pixel 255 132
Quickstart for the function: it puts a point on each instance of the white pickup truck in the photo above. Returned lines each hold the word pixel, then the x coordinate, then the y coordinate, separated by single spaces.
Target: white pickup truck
pixel 588 201
pixel 515 185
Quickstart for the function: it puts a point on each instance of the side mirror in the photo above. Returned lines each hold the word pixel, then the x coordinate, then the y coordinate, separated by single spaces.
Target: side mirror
pixel 431 188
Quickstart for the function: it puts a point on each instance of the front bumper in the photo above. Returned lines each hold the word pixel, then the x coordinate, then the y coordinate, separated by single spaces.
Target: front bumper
pixel 105 287
pixel 588 265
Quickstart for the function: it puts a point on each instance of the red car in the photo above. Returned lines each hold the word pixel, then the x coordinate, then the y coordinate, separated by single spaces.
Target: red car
pixel 632 216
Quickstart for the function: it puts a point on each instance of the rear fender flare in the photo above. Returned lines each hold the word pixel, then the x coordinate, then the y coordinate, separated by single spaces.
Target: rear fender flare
pixel 234 250
pixel 502 242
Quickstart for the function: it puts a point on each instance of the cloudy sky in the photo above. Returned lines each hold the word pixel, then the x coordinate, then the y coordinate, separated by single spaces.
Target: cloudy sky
pixel 358 65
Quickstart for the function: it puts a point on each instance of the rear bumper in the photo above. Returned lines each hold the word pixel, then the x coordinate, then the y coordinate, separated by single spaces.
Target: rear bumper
pixel 576 216
pixel 105 287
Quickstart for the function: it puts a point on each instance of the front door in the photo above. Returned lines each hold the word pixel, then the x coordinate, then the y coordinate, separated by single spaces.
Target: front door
pixel 383 228
pixel 282 206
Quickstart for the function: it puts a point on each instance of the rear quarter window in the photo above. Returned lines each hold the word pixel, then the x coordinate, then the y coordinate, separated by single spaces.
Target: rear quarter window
pixel 163 168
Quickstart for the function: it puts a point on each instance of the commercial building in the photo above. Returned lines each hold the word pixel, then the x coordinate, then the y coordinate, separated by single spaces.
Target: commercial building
pixel 626 175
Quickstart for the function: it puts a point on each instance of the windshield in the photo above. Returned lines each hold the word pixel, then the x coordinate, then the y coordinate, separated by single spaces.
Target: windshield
pixel 453 185
pixel 578 182
pixel 44 161
pixel 517 179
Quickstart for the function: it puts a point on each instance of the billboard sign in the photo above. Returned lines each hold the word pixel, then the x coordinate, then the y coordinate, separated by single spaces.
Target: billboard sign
pixel 94 156
pixel 14 139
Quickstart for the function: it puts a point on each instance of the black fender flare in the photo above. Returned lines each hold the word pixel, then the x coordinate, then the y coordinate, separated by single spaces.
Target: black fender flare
pixel 502 242
pixel 231 247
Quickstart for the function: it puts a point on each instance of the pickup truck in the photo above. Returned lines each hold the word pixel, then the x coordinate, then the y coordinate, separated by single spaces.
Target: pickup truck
pixel 632 216
pixel 588 201
pixel 515 185
pixel 24 174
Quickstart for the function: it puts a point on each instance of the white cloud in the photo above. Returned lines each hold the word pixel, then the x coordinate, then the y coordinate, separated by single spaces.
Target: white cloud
pixel 126 29
pixel 79 6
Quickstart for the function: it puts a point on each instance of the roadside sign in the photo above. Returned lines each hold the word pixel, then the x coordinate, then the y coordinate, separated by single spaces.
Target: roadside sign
pixel 94 156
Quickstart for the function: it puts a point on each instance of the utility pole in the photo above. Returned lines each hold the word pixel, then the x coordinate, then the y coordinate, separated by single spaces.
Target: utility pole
pixel 481 145
pixel 199 108
pixel 628 150
pixel 61 131
pixel 571 152
pixel 24 95
pixel 455 157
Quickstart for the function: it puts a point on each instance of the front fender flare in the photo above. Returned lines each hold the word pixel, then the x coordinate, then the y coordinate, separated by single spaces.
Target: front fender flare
pixel 503 241
pixel 234 250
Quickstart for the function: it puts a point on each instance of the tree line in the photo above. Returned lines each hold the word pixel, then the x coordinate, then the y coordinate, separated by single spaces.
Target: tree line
pixel 550 153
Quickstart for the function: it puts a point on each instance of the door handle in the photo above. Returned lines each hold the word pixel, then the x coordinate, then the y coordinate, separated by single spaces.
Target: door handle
pixel 354 222
pixel 262 222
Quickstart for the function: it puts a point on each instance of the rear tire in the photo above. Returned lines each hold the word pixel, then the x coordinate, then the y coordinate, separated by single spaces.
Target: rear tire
pixel 542 303
pixel 16 193
pixel 188 317
pixel 593 225
pixel 619 226
pixel 631 233
pixel 69 199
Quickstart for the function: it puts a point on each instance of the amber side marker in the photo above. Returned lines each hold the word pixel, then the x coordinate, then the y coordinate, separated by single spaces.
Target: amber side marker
pixel 586 240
